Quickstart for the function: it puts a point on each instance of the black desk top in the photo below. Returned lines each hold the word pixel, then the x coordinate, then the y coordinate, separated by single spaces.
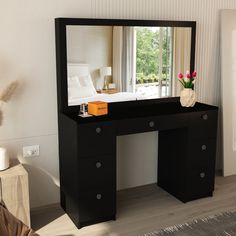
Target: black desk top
pixel 143 108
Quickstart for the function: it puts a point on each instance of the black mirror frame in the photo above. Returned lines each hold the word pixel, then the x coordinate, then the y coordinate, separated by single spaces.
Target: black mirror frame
pixel 61 50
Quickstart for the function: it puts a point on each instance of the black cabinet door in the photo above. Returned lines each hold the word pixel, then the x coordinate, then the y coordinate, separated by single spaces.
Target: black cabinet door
pixel 96 138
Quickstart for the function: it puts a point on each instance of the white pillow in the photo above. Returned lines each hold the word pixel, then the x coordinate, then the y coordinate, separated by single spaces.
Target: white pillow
pixel 80 87
pixel 80 92
pixel 73 82
pixel 86 81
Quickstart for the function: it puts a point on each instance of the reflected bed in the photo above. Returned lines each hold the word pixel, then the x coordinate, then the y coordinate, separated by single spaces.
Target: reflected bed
pixel 81 88
pixel 116 97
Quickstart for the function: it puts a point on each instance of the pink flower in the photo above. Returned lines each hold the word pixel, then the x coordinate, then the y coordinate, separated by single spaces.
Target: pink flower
pixel 180 75
pixel 188 75
pixel 194 74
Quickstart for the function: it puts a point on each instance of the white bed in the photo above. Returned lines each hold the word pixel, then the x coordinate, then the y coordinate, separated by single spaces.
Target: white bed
pixel 116 97
pixel 81 88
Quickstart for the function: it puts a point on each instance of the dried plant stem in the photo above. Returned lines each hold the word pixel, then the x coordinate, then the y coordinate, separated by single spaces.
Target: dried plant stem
pixel 6 94
pixel 1 117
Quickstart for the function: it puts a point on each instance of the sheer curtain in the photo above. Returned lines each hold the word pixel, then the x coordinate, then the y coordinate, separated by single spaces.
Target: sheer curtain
pixel 128 59
pixel 181 56
pixel 124 58
pixel 117 56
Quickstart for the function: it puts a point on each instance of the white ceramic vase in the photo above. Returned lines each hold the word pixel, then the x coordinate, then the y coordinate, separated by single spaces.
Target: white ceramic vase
pixel 4 159
pixel 188 97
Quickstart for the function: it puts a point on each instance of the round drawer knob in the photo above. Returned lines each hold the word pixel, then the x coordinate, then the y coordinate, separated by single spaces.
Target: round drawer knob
pixel 98 165
pixel 99 196
pixel 205 117
pixel 98 130
pixel 202 175
pixel 204 147
pixel 151 124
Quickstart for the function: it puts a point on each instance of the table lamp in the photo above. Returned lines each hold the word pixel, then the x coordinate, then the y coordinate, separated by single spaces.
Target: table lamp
pixel 104 72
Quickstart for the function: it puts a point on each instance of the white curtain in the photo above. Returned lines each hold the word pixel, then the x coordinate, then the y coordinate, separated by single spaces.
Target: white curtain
pixel 181 56
pixel 124 53
pixel 128 59
pixel 117 56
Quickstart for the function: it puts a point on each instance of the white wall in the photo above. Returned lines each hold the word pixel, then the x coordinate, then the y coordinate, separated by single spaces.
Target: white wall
pixel 27 52
pixel 137 159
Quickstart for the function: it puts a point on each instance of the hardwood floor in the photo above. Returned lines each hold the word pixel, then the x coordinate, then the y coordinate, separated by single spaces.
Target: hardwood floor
pixel 140 210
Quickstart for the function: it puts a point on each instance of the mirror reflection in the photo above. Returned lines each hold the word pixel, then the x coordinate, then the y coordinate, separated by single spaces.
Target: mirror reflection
pixel 122 63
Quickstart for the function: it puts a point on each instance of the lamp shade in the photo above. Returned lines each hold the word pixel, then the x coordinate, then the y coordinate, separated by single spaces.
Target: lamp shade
pixel 105 71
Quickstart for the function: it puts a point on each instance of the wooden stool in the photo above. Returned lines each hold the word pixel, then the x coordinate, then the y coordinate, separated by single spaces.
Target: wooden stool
pixel 14 191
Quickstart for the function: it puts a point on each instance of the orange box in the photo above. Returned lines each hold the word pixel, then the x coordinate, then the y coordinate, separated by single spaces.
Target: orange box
pixel 97 108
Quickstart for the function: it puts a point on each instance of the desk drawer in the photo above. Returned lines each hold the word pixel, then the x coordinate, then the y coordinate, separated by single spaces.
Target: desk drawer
pixel 203 124
pixel 176 121
pixel 164 122
pixel 201 152
pixel 96 139
pixel 99 171
pixel 96 203
pixel 200 182
pixel 137 125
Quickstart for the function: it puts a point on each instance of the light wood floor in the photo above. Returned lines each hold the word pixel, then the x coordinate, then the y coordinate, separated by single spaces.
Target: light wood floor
pixel 140 210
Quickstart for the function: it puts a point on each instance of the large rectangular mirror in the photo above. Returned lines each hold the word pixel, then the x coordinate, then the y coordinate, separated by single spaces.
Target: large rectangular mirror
pixel 123 60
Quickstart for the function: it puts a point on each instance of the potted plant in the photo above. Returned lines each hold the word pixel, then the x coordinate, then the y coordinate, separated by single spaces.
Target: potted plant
pixel 5 96
pixel 188 96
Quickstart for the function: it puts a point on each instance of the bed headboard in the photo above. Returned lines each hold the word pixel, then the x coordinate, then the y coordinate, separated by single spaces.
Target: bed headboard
pixel 77 69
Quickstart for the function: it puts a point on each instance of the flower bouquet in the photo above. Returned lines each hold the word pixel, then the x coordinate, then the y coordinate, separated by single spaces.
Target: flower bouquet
pixel 189 80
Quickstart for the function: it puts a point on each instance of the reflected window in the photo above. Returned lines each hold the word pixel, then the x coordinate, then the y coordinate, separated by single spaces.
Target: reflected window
pixel 153 61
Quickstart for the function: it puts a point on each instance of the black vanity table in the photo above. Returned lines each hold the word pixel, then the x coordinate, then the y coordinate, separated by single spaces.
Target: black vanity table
pixel 87 146
pixel 186 154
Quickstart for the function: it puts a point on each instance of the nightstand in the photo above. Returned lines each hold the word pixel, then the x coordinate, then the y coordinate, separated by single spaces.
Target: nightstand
pixel 108 91
pixel 14 191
